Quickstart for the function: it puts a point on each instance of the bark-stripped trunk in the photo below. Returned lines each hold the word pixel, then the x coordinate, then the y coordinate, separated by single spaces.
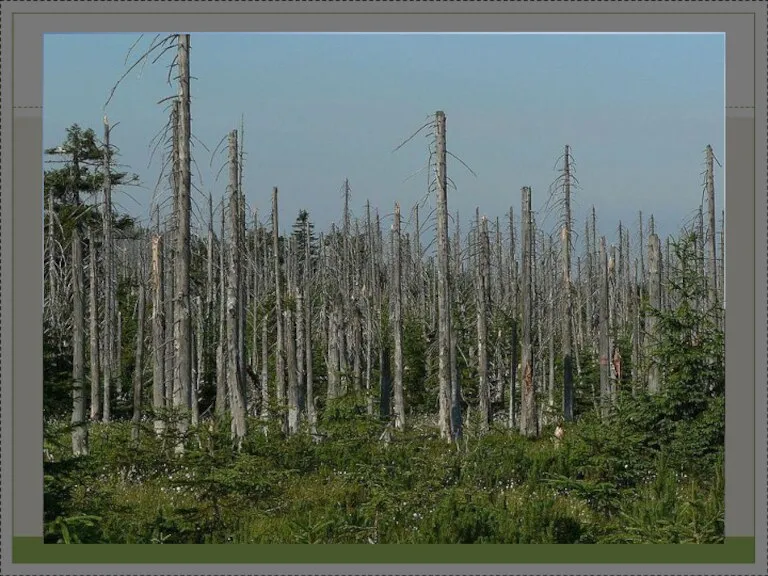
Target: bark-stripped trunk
pixel 567 319
pixel 158 334
pixel 79 424
pixel 528 411
pixel 234 351
pixel 109 288
pixel 604 351
pixel 279 354
pixel 95 366
pixel 397 321
pixel 138 370
pixel 482 277
pixel 711 236
pixel 182 319
pixel 445 424
pixel 654 301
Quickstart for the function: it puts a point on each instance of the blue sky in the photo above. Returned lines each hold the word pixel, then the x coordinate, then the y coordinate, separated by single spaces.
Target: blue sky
pixel 637 111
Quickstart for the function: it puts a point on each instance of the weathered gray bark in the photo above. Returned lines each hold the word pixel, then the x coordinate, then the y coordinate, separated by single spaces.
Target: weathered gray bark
pixel 168 304
pixel 310 394
pixel 234 351
pixel 264 372
pixel 290 344
pixel 221 349
pixel 138 371
pixel 397 325
pixel 567 320
pixel 604 351
pixel 528 411
pixel 654 300
pixel 711 235
pixel 79 424
pixel 158 334
pixel 279 353
pixel 482 279
pixel 109 288
pixel 447 430
pixel 95 366
pixel 182 318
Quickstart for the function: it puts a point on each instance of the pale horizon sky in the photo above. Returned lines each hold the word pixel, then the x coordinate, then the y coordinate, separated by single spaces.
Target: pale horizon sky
pixel 637 110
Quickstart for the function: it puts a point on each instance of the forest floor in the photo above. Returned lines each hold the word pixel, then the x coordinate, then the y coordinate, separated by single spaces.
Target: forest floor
pixel 634 477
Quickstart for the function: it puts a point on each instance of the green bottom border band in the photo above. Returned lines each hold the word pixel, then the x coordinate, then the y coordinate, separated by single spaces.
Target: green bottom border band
pixel 31 550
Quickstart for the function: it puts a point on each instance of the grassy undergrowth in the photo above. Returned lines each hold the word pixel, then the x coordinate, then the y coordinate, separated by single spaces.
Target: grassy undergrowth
pixel 636 477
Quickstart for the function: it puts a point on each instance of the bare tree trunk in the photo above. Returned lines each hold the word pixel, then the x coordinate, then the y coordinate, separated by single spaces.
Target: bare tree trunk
pixel 221 350
pixel 234 376
pixel 95 366
pixel 197 383
pixel 79 425
pixel 310 399
pixel 514 310
pixel 182 320
pixel 279 355
pixel 138 371
pixel 447 430
pixel 169 323
pixel 290 341
pixel 109 288
pixel 604 353
pixel 118 372
pixel 528 420
pixel 158 334
pixel 567 297
pixel 654 297
pixel 711 236
pixel 397 321
pixel 721 274
pixel 264 372
pixel 483 271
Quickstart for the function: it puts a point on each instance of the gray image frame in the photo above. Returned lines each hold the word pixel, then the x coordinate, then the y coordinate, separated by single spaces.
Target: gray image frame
pixel 23 24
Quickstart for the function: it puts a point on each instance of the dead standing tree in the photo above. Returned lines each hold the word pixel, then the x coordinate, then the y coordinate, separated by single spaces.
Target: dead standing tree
pixel 109 289
pixel 279 353
pixel 528 411
pixel 397 322
pixel 444 286
pixel 182 318
pixel 79 426
pixel 233 308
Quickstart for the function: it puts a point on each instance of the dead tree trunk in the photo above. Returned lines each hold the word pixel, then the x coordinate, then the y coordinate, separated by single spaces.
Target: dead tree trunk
pixel 397 321
pixel 158 334
pixel 528 411
pixel 310 399
pixel 109 288
pixel 138 371
pixel 169 329
pixel 93 290
pixel 221 349
pixel 234 352
pixel 567 297
pixel 654 300
pixel 279 355
pixel 79 425
pixel 483 266
pixel 290 341
pixel 182 319
pixel 604 353
pixel 264 372
pixel 447 428
pixel 711 236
